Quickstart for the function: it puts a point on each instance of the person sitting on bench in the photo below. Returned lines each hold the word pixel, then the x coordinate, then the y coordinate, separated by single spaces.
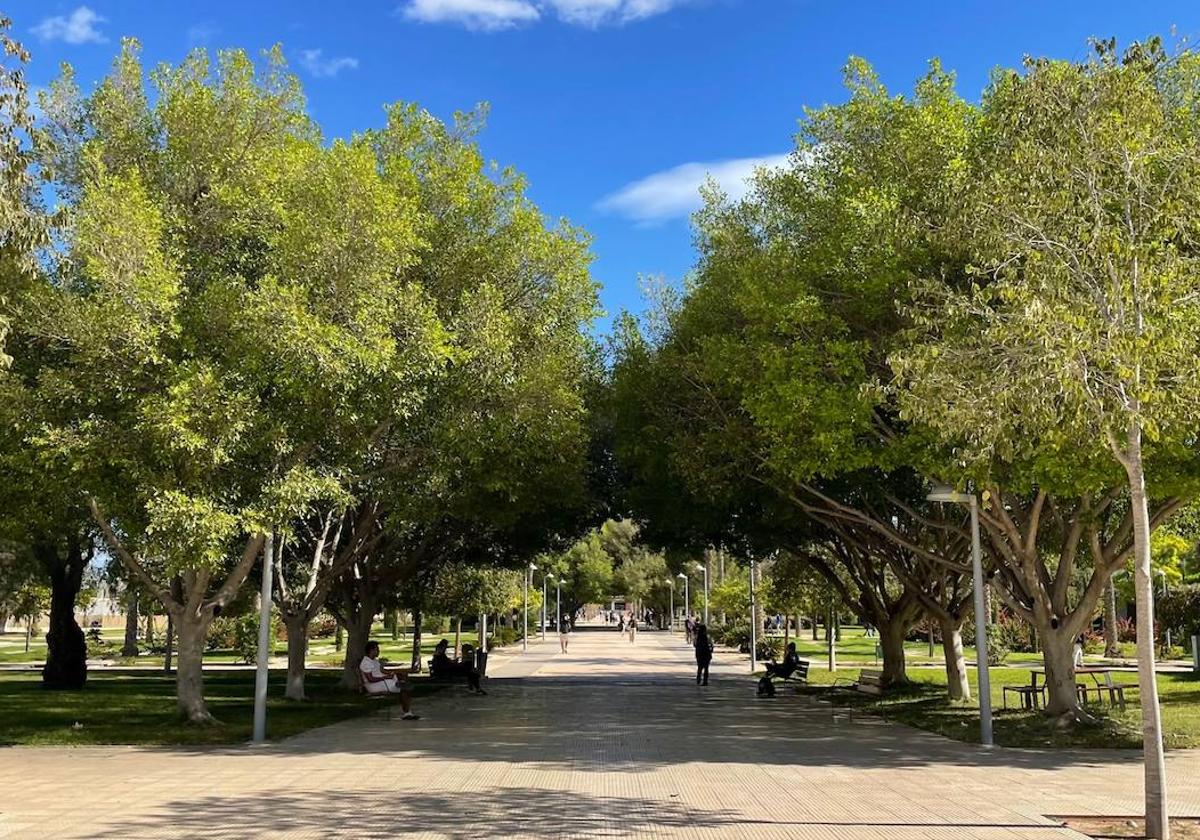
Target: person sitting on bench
pixel 784 669
pixel 443 666
pixel 378 681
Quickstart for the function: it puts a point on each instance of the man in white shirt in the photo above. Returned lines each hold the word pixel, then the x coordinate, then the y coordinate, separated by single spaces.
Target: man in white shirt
pixel 376 680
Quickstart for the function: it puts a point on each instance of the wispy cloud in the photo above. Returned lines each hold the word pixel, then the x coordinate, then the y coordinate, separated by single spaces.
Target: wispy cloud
pixel 675 193
pixel 492 15
pixel 486 15
pixel 323 68
pixel 79 27
pixel 200 34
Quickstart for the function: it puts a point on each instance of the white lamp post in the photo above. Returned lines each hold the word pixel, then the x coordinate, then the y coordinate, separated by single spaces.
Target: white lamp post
pixel 704 569
pixel 544 607
pixel 687 601
pixel 525 635
pixel 943 493
pixel 264 641
pixel 671 583
pixel 557 602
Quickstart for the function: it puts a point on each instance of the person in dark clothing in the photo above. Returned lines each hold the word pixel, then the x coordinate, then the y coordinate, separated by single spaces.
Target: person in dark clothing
pixel 704 654
pixel 784 669
pixel 443 666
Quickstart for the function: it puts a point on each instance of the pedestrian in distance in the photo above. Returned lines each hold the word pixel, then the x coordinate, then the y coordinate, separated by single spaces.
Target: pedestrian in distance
pixel 689 630
pixel 564 628
pixel 704 654
pixel 632 629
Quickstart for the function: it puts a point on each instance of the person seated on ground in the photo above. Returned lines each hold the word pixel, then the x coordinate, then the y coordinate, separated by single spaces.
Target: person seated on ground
pixel 377 680
pixel 443 666
pixel 784 669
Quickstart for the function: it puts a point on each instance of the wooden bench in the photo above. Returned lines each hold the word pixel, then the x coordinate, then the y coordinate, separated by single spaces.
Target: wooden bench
pixel 1029 695
pixel 1116 693
pixel 375 695
pixel 800 675
pixel 868 682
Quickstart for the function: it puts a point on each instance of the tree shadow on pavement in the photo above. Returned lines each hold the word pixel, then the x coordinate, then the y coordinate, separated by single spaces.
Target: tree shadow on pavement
pixel 509 812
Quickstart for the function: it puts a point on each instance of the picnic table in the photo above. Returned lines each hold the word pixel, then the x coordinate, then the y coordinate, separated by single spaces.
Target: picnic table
pixel 1102 683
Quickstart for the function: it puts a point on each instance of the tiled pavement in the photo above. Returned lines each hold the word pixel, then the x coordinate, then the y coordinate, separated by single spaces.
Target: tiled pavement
pixel 609 740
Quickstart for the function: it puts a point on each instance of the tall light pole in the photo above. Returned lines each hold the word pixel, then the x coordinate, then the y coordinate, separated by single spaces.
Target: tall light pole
pixel 264 642
pixel 671 583
pixel 753 621
pixel 1162 575
pixel 687 601
pixel 704 569
pixel 557 602
pixel 544 607
pixel 942 493
pixel 525 635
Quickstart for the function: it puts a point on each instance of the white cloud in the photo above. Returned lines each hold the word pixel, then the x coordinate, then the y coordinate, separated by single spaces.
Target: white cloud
pixel 201 34
pixel 675 193
pixel 324 68
pixel 490 15
pixel 79 27
pixel 487 15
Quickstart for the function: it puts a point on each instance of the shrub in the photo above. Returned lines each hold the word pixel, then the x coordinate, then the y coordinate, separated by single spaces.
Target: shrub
pixel 737 635
pixel 1179 611
pixel 221 634
pixel 504 636
pixel 769 648
pixel 998 649
pixel 323 626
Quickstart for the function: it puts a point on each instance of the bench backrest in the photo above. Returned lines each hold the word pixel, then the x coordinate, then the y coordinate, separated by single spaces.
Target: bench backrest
pixel 870 677
pixel 802 669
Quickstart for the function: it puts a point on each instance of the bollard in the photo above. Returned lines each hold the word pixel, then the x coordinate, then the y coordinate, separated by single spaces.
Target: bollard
pixel 1196 653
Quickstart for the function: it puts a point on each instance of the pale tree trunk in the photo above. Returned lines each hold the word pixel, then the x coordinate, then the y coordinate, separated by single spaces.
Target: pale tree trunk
pixel 1058 656
pixel 1152 745
pixel 3 622
pixel 815 637
pixel 191 630
pixel 150 626
pixel 457 637
pixel 956 664
pixel 130 647
pixel 832 651
pixel 891 643
pixel 297 653
pixel 1112 639
pixel 170 644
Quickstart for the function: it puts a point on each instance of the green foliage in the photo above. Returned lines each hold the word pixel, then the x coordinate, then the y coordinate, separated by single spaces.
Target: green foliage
pixel 1179 611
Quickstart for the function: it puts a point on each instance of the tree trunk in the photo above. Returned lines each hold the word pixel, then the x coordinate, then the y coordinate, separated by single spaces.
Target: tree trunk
pixel 832 648
pixel 815 637
pixel 150 625
pixel 3 622
pixel 358 633
pixel 1112 639
pixel 1058 655
pixel 297 652
pixel 891 643
pixel 416 641
pixel 191 630
pixel 28 633
pixel 457 637
pixel 66 648
pixel 1154 764
pixel 956 666
pixel 130 648
pixel 170 644
pixel 338 638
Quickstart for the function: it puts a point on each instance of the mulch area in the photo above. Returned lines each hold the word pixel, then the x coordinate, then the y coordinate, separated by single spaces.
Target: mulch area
pixel 1129 828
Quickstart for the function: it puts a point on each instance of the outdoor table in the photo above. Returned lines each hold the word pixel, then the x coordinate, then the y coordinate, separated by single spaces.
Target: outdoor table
pixel 1094 672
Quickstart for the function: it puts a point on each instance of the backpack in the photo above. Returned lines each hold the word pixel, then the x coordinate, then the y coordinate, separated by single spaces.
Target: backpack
pixel 766 688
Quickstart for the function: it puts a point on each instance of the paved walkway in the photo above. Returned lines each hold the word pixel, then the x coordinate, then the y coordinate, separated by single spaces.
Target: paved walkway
pixel 609 740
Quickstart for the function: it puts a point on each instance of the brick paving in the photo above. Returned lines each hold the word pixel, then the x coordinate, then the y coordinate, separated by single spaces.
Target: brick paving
pixel 611 740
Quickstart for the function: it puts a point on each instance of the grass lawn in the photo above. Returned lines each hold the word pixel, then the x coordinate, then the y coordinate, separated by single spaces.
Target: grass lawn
pixel 321 651
pixel 924 705
pixel 855 648
pixel 137 707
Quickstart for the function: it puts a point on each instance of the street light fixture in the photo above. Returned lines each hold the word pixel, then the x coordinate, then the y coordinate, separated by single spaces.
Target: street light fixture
pixel 945 493
pixel 525 635
pixel 704 569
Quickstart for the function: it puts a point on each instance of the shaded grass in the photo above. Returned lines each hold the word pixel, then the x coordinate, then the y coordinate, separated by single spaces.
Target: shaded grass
pixel 139 708
pixel 924 704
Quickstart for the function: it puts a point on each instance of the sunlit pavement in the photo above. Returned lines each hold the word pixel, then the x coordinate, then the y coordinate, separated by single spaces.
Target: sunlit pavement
pixel 611 739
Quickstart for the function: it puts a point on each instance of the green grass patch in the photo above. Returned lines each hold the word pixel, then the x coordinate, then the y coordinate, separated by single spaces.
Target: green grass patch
pixel 924 704
pixel 134 707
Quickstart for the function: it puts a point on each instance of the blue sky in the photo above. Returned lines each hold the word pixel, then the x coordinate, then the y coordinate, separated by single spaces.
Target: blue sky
pixel 615 109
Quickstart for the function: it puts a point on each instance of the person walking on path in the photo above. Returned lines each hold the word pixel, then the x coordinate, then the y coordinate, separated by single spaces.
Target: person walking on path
pixel 632 629
pixel 564 628
pixel 689 630
pixel 704 654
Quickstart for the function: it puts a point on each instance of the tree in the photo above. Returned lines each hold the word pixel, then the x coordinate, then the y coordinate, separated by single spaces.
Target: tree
pixel 1081 326
pixel 211 333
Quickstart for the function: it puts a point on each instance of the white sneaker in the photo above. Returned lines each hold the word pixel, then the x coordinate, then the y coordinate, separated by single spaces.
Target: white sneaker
pixel 409 716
